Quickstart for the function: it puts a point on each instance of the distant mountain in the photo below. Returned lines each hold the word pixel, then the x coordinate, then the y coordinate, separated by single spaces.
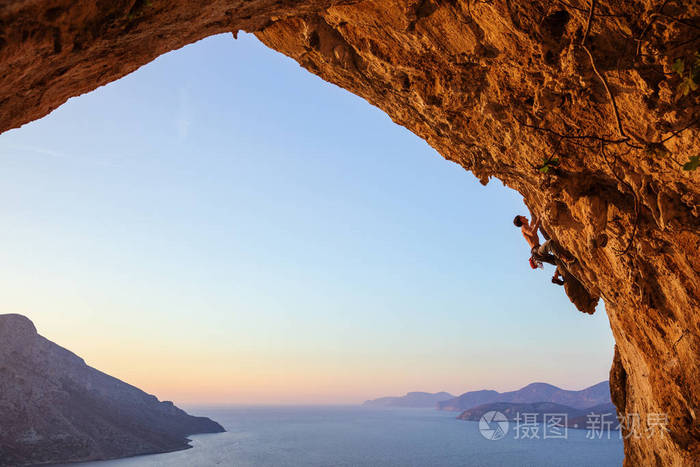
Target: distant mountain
pixel 609 410
pixel 575 418
pixel 54 408
pixel 469 400
pixel 535 392
pixel 412 399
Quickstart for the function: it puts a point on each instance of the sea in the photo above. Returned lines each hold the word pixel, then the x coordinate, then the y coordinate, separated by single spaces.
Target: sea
pixel 355 436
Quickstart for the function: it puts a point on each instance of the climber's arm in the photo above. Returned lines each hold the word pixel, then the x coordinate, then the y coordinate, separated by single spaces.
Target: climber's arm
pixel 535 225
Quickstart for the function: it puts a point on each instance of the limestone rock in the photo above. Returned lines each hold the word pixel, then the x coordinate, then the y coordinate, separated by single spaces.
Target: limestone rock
pixel 576 108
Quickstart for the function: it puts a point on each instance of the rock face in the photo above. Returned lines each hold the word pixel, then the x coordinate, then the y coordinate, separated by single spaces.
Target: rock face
pixel 573 103
pixel 411 399
pixel 536 392
pixel 55 408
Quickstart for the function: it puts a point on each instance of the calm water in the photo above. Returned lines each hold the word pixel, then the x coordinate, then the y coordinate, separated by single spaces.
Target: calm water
pixel 361 437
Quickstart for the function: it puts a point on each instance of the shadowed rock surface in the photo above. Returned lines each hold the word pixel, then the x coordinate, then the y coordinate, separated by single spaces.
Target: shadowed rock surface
pixel 54 408
pixel 575 104
pixel 535 392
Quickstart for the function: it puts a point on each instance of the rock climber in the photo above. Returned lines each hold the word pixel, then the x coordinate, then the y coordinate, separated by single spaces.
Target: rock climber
pixel 540 253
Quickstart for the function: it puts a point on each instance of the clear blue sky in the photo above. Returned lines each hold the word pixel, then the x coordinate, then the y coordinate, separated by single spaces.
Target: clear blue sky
pixel 223 226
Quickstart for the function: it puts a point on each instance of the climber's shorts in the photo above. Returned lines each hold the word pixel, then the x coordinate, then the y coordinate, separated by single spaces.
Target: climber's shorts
pixel 543 253
pixel 542 250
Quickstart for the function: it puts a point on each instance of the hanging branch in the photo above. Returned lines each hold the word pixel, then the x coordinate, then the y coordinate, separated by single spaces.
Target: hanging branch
pixel 581 139
pixel 588 23
pixel 570 136
pixel 600 76
pixel 693 121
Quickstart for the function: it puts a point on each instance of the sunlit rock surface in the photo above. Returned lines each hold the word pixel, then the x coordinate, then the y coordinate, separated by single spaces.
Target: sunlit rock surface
pixel 577 109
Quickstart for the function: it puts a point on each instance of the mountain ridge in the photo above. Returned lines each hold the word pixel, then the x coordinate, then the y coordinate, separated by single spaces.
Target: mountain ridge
pixel 534 392
pixel 55 408
pixel 410 399
pixel 574 418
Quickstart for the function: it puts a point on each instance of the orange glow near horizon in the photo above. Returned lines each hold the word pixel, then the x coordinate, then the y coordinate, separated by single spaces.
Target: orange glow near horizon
pixel 195 373
pixel 226 234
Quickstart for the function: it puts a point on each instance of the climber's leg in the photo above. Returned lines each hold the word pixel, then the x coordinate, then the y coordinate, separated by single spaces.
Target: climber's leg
pixel 557 278
pixel 550 247
pixel 542 254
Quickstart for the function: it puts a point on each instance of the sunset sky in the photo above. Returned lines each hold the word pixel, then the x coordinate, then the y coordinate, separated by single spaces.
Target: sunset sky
pixel 222 226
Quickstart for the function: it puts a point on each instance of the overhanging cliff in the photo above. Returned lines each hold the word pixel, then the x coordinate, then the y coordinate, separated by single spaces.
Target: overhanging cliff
pixel 575 104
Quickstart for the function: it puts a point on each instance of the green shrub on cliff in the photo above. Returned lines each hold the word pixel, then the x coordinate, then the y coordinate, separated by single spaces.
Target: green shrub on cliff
pixel 690 75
